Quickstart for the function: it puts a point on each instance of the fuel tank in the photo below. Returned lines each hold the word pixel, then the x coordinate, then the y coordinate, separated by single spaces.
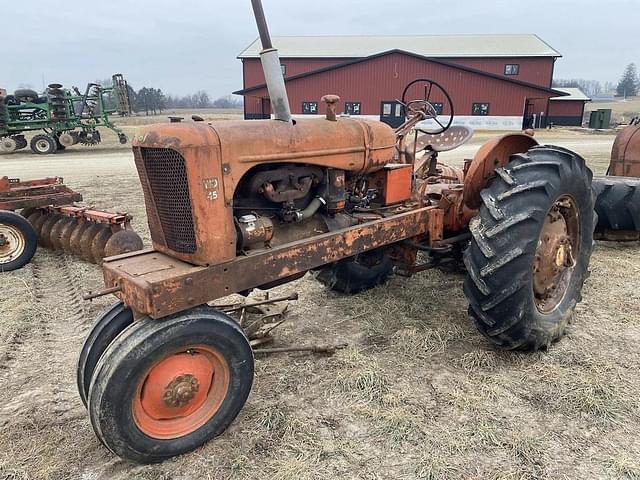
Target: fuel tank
pixel 625 154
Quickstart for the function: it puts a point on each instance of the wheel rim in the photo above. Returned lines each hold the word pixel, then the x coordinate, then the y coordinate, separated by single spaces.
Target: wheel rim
pixel 12 244
pixel 555 259
pixel 181 392
pixel 42 145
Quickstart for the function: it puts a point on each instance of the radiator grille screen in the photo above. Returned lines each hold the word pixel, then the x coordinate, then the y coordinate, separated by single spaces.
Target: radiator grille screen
pixel 166 174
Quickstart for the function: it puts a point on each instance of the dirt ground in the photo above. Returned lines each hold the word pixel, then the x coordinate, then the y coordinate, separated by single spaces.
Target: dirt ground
pixel 417 394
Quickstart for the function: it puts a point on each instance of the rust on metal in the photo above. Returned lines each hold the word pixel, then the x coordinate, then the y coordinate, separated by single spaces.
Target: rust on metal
pixel 625 154
pixel 493 154
pixel 556 253
pixel 158 285
pixel 16 194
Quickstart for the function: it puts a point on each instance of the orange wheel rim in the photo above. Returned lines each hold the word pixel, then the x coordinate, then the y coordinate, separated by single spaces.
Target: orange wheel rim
pixel 181 392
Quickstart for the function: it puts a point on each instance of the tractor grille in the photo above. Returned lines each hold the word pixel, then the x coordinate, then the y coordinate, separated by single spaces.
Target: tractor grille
pixel 166 190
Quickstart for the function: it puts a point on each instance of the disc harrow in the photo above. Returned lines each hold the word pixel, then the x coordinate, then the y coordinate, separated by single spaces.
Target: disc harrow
pixel 53 221
pixel 85 232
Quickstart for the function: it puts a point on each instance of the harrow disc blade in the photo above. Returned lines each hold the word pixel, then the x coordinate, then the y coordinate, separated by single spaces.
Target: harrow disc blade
pixel 45 230
pixel 124 241
pixel 99 243
pixel 65 236
pixel 27 212
pixel 87 239
pixel 55 239
pixel 76 236
pixel 34 216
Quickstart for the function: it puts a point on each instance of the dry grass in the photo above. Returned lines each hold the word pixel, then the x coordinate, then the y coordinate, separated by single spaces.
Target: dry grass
pixel 417 394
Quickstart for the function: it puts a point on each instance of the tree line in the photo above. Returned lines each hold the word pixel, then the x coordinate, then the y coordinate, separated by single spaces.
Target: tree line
pixel 153 101
pixel 627 86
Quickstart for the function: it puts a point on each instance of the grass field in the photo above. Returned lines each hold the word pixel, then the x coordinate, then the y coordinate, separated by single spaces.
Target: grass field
pixel 418 394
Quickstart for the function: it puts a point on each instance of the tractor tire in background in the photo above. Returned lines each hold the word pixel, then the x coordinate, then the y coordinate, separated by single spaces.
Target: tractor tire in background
pixel 26 95
pixel 18 241
pixel 357 274
pixel 530 249
pixel 617 203
pixel 43 144
pixel 163 388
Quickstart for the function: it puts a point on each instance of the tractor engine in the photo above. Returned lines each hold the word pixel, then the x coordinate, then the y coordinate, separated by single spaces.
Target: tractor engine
pixel 215 191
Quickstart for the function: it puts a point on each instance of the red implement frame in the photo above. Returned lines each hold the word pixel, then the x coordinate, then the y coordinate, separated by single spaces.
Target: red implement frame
pixel 16 195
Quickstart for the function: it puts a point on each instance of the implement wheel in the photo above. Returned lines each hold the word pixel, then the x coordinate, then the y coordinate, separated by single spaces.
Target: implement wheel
pixel 354 275
pixel 43 144
pixel 165 387
pixel 107 327
pixel 18 241
pixel 530 250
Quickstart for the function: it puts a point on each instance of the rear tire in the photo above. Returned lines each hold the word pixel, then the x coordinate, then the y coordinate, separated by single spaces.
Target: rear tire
pixel 18 241
pixel 357 274
pixel 539 191
pixel 165 387
pixel 617 203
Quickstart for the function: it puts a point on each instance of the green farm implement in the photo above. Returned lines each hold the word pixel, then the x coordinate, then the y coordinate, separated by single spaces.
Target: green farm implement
pixel 61 117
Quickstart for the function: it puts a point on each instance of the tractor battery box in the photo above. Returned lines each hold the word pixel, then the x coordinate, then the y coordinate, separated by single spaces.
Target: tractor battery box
pixel 393 183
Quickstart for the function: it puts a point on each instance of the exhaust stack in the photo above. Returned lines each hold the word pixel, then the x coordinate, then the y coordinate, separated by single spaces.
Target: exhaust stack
pixel 271 67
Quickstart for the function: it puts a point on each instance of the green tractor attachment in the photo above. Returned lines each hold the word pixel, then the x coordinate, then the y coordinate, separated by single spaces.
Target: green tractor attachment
pixel 63 117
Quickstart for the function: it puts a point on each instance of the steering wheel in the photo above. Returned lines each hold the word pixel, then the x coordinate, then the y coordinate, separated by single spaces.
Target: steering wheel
pixel 426 107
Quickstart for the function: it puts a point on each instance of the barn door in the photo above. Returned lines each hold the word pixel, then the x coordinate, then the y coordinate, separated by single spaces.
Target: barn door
pixel 392 113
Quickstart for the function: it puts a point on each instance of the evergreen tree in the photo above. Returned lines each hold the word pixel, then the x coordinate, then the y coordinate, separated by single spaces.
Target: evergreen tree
pixel 629 83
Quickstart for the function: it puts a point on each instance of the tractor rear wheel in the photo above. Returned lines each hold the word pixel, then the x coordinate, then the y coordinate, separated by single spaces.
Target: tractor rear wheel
pixel 43 144
pixel 165 387
pixel 107 327
pixel 530 249
pixel 618 203
pixel 356 274
pixel 18 241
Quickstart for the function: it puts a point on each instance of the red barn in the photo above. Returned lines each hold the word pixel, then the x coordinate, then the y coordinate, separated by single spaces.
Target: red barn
pixel 500 82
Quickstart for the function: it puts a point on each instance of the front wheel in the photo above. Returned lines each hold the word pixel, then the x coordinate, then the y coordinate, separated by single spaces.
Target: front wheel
pixel 164 387
pixel 43 144
pixel 18 241
pixel 530 250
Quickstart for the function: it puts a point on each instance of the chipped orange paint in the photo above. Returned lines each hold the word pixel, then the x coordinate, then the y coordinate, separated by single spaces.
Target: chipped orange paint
pixel 625 154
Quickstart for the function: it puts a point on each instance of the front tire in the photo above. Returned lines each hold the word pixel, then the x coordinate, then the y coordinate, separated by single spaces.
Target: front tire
pixel 18 241
pixel 165 387
pixel 530 250
pixel 107 327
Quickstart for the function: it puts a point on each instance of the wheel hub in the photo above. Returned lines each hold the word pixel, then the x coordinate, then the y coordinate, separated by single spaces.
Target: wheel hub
pixel 181 392
pixel 555 256
pixel 12 243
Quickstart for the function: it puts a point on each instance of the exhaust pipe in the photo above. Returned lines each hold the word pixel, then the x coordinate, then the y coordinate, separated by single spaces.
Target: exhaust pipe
pixel 271 67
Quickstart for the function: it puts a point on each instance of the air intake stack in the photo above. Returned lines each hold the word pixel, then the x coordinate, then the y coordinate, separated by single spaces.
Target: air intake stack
pixel 272 69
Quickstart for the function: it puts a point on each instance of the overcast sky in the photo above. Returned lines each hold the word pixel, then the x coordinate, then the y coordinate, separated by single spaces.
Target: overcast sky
pixel 184 46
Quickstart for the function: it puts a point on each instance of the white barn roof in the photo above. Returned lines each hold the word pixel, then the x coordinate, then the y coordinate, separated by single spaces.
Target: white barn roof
pixel 443 46
pixel 572 94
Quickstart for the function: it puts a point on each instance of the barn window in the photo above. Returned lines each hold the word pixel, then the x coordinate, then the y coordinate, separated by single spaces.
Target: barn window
pixel 480 109
pixel 284 70
pixel 439 107
pixel 310 108
pixel 512 69
pixel 352 108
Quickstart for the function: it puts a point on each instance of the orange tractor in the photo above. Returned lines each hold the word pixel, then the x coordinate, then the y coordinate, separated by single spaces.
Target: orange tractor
pixel 234 206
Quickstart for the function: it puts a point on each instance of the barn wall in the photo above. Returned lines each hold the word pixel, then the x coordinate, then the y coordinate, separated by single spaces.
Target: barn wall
pixel 538 71
pixel 253 74
pixel 384 78
pixel 566 112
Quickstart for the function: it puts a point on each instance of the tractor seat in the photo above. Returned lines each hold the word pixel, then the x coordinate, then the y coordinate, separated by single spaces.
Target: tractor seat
pixel 454 137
